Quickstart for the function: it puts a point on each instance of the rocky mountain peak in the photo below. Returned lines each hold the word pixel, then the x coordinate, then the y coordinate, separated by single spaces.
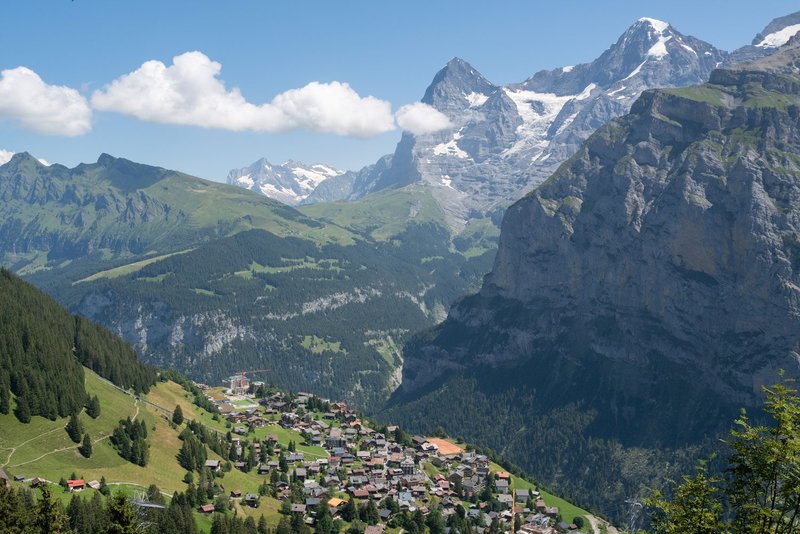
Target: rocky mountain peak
pixel 456 87
pixel 22 158
pixel 290 182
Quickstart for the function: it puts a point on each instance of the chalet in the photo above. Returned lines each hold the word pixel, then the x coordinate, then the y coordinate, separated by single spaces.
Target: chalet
pixel 299 509
pixel 4 480
pixel 540 506
pixel 505 500
pixel 335 439
pixel 551 511
pixel 419 441
pixel 522 495
pixel 407 466
pixel 251 499
pixel 502 486
pixel 300 473
pixel 359 493
pixel 335 502
pixel 206 508
pixel 313 502
pixel 295 457
pixel 19 478
pixel 214 465
pixel 76 485
pixel 236 494
pixel 263 469
pixel 37 482
pixel 241 466
pixel 94 484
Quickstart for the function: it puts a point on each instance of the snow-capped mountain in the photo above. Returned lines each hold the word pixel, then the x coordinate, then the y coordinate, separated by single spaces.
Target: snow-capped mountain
pixel 776 34
pixel 508 139
pixel 291 182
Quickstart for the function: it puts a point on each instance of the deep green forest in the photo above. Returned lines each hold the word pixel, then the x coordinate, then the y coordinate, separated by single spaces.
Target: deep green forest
pixel 43 350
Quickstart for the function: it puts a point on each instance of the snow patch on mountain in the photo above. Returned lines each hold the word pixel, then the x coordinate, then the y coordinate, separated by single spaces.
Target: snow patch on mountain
pixel 658 25
pixel 450 148
pixel 779 38
pixel 245 181
pixel 476 99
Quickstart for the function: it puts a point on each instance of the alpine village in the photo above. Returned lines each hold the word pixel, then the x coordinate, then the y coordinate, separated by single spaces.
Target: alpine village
pixel 565 304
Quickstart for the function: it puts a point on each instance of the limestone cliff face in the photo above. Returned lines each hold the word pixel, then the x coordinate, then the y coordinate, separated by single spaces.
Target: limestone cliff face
pixel 659 266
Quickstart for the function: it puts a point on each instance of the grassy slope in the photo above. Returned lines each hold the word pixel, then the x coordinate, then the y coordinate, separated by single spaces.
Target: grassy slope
pixel 195 210
pixel 38 447
pixel 380 215
pixel 39 450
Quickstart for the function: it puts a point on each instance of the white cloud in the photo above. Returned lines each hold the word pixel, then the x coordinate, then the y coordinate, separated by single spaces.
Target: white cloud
pixel 190 92
pixel 419 119
pixel 43 108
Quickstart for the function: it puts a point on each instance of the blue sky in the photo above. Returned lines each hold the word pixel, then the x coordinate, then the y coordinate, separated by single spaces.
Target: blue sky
pixel 386 50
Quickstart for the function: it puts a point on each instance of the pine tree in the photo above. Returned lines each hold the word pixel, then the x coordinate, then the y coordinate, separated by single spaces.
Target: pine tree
pixel 93 407
pixel 177 415
pixel 86 447
pixel 121 516
pixel 74 428
pixel 5 402
pixel 262 525
pixel 23 410
pixel 48 516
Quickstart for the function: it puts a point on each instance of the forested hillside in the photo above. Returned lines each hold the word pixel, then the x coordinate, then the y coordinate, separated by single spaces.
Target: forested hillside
pixel 43 348
pixel 322 316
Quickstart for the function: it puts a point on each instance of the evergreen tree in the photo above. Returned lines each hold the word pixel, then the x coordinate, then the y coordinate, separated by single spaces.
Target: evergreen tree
pixel 5 398
pixel 23 410
pixel 262 525
pixel 48 517
pixel 15 512
pixel 284 526
pixel 74 428
pixel 349 510
pixel 86 447
pixel 177 415
pixel 121 515
pixel 93 407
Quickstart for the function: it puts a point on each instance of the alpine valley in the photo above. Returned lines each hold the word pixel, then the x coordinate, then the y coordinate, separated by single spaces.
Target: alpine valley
pixel 638 217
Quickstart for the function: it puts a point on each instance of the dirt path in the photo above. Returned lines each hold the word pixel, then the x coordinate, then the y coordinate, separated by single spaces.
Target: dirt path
pixel 72 447
pixel 14 449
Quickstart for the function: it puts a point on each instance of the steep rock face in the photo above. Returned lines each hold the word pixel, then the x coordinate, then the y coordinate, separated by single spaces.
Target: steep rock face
pixel 652 284
pixel 684 214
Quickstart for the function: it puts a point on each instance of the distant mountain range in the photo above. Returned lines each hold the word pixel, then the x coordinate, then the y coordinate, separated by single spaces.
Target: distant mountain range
pixel 508 139
pixel 290 182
